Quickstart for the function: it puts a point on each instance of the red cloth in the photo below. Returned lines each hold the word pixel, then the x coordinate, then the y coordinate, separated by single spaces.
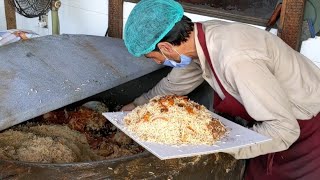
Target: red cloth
pixel 300 161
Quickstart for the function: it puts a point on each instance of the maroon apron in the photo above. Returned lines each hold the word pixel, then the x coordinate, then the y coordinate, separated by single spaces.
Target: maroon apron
pixel 300 161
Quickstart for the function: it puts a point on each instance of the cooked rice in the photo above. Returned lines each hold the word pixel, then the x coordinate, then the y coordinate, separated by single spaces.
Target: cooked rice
pixel 174 120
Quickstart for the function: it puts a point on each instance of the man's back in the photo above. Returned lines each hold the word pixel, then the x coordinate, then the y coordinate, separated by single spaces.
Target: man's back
pixel 234 43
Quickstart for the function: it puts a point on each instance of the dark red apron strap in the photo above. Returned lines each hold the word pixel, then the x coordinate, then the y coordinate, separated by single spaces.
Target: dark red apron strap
pixel 229 106
pixel 202 41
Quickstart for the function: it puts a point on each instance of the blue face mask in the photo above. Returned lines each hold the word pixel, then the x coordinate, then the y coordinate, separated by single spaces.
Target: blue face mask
pixel 184 61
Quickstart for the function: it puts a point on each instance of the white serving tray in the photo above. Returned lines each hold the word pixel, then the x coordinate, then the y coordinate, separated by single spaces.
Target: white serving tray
pixel 237 137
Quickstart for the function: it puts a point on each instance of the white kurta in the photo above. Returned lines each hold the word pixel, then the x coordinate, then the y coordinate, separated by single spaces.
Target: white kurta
pixel 276 84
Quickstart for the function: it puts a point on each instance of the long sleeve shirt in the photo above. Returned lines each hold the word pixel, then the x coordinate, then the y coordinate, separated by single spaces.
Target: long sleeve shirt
pixel 276 84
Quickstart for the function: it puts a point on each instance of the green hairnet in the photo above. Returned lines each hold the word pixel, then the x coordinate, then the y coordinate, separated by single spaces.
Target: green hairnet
pixel 148 23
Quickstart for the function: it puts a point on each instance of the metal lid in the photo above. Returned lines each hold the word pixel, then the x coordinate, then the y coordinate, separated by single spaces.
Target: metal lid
pixel 46 73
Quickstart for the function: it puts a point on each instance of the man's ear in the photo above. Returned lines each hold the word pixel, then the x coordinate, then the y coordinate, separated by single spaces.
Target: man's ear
pixel 165 47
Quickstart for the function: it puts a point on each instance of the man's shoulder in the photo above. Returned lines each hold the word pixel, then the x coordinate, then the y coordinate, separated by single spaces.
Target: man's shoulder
pixel 236 28
pixel 215 24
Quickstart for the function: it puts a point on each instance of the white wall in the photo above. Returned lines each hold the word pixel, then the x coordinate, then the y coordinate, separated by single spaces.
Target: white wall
pixel 91 17
pixel 3 24
pixel 22 23
pixel 311 49
pixel 30 24
pixel 76 17
pixel 84 17
pixel 80 17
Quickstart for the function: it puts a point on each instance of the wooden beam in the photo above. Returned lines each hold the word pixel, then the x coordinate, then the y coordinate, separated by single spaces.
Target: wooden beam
pixel 291 22
pixel 115 21
pixel 10 15
pixel 211 12
pixel 217 13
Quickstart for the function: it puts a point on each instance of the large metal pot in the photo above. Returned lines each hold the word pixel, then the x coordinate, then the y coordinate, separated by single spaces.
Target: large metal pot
pixel 144 165
pixel 139 166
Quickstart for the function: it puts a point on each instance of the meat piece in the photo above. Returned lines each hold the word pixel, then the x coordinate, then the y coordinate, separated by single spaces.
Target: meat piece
pixel 217 128
pixel 121 138
pixel 85 119
pixel 105 149
pixel 56 117
pixel 146 116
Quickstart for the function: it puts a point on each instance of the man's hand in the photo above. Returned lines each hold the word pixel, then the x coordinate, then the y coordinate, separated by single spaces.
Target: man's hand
pixel 128 107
